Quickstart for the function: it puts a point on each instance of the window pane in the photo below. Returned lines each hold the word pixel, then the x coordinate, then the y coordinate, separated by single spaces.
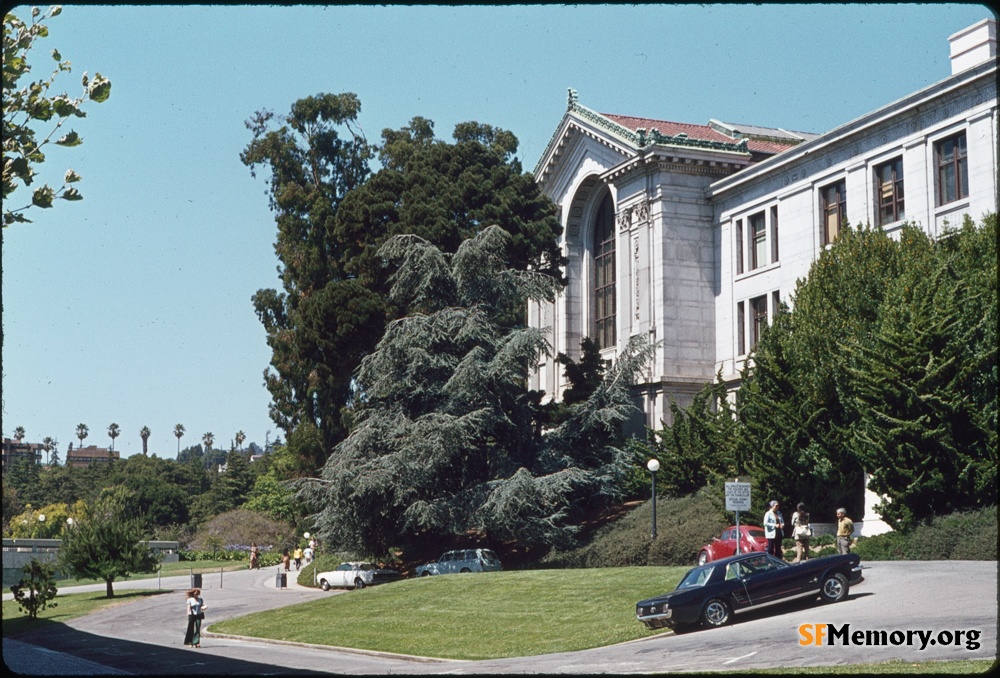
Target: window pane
pixel 604 274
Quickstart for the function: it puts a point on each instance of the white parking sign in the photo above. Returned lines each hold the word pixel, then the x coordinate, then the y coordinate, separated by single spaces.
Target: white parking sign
pixel 737 496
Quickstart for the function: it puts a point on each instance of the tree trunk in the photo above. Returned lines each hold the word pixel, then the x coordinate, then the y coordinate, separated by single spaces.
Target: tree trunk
pixel 111 591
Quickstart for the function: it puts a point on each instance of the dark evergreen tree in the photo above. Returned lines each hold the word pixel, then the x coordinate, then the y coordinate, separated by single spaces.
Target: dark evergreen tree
pixel 922 436
pixel 584 376
pixel 448 440
pixel 332 218
pixel 698 449
pixel 107 544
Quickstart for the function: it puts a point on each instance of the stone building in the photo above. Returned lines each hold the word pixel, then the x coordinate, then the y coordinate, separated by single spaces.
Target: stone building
pixel 692 234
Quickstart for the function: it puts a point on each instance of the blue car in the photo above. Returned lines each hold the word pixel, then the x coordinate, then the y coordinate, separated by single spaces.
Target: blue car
pixel 710 594
pixel 463 560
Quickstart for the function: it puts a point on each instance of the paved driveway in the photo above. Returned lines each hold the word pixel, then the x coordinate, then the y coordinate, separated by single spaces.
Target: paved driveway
pixel 145 637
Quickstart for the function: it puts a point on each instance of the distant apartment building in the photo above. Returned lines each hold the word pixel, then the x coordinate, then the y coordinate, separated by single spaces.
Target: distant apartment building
pixel 14 451
pixel 91 454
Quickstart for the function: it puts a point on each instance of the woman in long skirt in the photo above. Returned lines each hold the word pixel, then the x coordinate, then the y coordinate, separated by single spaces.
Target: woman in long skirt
pixel 195 613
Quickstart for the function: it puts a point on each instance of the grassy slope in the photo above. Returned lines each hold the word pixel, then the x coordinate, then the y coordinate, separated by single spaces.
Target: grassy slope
pixel 477 616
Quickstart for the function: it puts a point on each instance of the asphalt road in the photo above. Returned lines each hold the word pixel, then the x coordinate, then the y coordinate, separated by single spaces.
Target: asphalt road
pixel 939 597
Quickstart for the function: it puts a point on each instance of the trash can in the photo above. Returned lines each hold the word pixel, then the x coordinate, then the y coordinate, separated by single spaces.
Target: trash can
pixel 196 580
pixel 281 581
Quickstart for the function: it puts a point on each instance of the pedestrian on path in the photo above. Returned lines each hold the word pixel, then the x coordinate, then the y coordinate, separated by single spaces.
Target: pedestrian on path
pixel 297 557
pixel 286 560
pixel 195 614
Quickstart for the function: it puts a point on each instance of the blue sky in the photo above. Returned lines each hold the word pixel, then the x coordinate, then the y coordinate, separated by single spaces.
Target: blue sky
pixel 133 305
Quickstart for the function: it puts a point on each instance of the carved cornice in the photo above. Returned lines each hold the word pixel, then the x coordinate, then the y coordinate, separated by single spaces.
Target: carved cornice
pixel 636 214
pixel 638 139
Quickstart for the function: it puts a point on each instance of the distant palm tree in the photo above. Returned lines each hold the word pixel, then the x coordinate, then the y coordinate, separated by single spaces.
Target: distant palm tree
pixel 113 431
pixel 208 439
pixel 179 431
pixel 19 434
pixel 144 433
pixel 48 443
pixel 240 437
pixel 82 432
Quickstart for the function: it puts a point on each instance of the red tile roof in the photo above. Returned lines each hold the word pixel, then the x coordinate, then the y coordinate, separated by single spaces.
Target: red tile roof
pixel 668 128
pixel 703 132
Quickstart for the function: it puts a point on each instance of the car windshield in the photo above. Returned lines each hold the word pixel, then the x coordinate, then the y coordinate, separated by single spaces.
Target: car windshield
pixel 758 534
pixel 489 556
pixel 696 577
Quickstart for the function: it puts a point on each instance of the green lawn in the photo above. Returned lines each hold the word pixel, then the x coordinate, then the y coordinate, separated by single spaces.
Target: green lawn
pixel 168 570
pixel 894 666
pixel 477 616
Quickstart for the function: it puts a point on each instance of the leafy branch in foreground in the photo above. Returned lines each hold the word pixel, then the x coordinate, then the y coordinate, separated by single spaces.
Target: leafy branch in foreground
pixel 25 106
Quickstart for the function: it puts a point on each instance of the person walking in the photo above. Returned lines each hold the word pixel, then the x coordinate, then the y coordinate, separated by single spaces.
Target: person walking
pixel 845 528
pixel 801 532
pixel 774 529
pixel 297 557
pixel 195 614
pixel 254 556
pixel 286 560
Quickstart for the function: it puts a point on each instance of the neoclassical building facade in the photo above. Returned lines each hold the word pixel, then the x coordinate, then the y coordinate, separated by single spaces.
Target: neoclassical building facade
pixel 691 234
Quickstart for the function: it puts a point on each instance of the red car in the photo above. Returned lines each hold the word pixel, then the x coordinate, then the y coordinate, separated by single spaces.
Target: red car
pixel 723 546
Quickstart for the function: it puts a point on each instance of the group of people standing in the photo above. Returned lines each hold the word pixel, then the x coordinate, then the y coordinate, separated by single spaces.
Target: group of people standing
pixel 297 556
pixel 802 532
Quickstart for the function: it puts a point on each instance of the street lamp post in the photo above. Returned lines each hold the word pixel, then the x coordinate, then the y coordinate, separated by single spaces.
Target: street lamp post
pixel 653 465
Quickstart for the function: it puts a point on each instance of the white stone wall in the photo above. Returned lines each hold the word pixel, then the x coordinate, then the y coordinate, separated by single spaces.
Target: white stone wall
pixel 792 181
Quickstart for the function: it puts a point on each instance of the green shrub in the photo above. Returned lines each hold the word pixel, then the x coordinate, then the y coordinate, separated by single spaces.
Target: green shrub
pixel 969 535
pixel 683 526
pixel 823 540
pixel 888 546
pixel 825 551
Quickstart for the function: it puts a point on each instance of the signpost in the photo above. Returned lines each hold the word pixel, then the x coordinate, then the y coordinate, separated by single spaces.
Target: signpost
pixel 737 499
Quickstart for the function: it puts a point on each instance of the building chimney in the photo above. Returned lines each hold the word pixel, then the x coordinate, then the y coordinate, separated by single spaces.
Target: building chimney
pixel 973 45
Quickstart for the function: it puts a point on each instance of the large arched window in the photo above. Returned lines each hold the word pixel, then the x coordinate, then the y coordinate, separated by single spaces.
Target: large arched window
pixel 604 274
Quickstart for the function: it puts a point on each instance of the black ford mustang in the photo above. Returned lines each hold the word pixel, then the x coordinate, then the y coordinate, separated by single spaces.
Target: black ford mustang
pixel 710 594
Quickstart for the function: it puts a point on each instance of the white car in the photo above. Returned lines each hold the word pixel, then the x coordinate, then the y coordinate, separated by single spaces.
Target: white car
pixel 356 575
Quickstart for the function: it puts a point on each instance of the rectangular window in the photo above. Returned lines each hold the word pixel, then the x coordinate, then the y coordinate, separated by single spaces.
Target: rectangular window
pixel 739 246
pixel 758 319
pixel 605 275
pixel 833 207
pixel 774 233
pixel 758 241
pixel 604 295
pixel 740 333
pixel 775 302
pixel 889 192
pixel 952 169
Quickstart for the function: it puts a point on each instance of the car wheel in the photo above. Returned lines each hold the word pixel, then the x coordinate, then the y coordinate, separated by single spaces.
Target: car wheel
pixel 465 570
pixel 716 613
pixel 359 584
pixel 703 557
pixel 325 585
pixel 425 573
pixel 834 588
